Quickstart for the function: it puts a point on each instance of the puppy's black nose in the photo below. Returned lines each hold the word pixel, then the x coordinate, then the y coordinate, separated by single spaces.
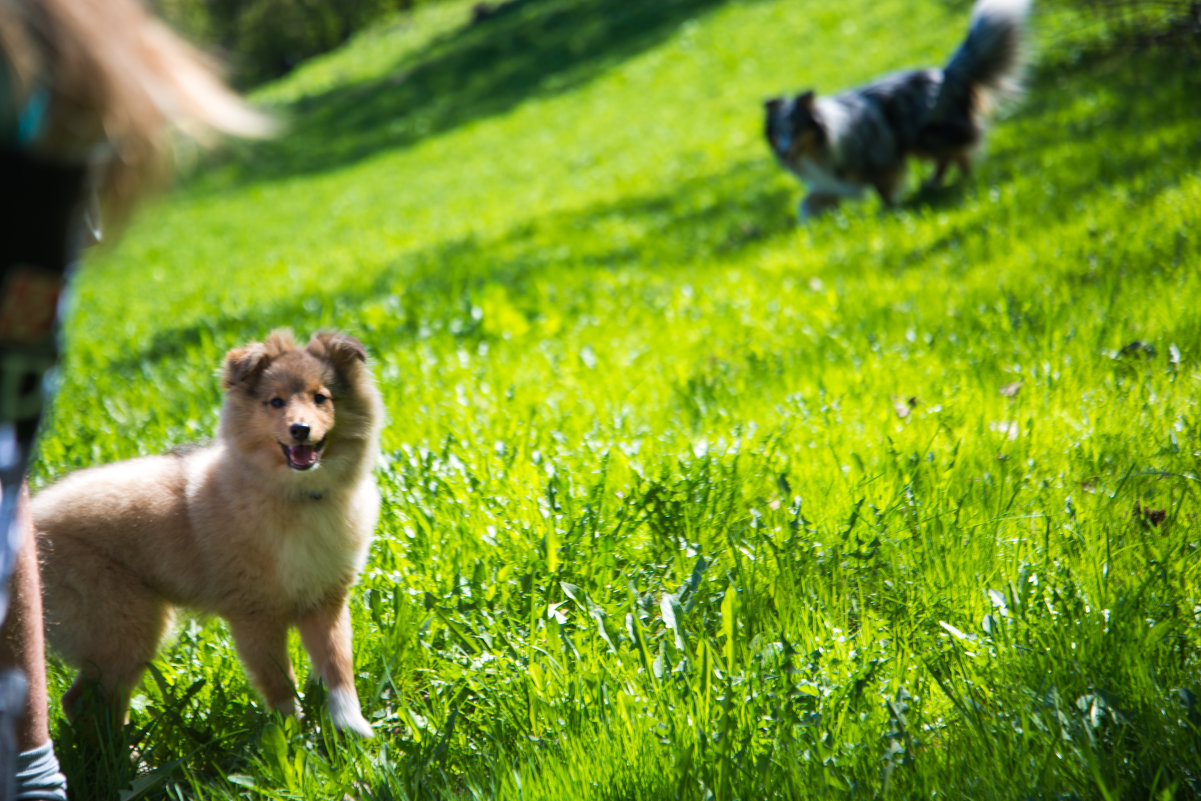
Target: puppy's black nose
pixel 299 431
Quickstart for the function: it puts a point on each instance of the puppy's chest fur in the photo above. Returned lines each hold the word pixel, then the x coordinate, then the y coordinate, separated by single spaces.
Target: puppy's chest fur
pixel 316 551
pixel 290 549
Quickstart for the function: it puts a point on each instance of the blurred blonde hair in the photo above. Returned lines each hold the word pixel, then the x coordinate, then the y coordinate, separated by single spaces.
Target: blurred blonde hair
pixel 118 83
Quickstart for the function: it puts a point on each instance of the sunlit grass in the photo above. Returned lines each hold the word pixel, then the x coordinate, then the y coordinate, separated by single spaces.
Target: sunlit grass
pixel 682 500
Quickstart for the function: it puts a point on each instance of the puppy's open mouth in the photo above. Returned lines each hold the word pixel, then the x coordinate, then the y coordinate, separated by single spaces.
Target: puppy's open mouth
pixel 303 457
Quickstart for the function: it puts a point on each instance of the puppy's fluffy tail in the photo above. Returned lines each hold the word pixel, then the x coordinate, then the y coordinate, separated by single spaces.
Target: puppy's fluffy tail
pixel 987 67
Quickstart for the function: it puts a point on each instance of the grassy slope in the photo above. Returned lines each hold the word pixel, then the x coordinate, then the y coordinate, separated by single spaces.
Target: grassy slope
pixel 654 526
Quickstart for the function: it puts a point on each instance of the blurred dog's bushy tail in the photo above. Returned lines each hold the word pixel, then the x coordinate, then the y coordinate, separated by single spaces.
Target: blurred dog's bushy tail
pixel 988 66
pixel 116 83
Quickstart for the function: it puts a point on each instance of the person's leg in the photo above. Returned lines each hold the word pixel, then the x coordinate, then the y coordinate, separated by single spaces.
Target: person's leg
pixel 22 649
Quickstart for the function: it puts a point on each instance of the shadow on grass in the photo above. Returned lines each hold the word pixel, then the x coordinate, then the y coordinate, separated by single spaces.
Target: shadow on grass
pixel 527 48
pixel 719 214
pixel 1135 132
pixel 1100 125
pixel 1104 121
pixel 1139 94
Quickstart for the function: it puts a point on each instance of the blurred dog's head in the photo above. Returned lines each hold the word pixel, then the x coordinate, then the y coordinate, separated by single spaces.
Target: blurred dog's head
pixel 793 126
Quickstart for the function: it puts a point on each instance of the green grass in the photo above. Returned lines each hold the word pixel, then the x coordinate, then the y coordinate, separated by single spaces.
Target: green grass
pixel 681 500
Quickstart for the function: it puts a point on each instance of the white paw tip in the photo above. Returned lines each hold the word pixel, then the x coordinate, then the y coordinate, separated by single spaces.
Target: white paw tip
pixel 344 712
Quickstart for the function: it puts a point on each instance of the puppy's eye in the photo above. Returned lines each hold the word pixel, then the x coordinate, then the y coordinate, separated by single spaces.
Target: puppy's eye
pixel 277 403
pixel 320 399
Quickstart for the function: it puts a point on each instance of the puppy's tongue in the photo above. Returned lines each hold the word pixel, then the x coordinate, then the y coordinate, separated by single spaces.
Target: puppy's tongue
pixel 302 457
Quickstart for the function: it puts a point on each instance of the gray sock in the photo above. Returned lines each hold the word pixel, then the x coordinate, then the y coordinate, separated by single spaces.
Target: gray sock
pixel 38 776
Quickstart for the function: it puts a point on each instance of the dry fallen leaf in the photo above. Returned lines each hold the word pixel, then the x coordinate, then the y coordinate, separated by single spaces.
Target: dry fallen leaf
pixel 1152 516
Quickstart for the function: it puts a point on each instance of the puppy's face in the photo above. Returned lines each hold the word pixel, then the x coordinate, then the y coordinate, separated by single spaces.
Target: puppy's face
pixel 793 126
pixel 282 401
pixel 296 408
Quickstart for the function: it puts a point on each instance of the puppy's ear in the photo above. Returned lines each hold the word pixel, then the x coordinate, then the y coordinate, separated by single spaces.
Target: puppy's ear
pixel 243 365
pixel 342 350
pixel 807 101
pixel 279 342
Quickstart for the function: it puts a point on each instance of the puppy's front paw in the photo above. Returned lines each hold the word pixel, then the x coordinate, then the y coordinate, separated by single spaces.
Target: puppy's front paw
pixel 344 712
pixel 287 707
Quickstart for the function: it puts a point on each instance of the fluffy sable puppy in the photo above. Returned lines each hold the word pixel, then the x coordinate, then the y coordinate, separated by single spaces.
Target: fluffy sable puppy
pixel 861 138
pixel 268 527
